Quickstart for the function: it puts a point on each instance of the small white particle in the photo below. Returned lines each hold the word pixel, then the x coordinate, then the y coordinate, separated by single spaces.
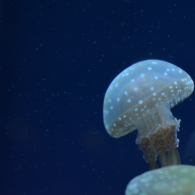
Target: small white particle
pixel 165 73
pixel 118 99
pixel 156 77
pixel 172 91
pixel 132 80
pixel 159 99
pixel 109 100
pixel 126 74
pixel 180 71
pixel 136 109
pixel 111 107
pixel 119 118
pixel 130 118
pixel 173 69
pixel 129 100
pixel 170 87
pixel 114 125
pixel 116 85
pixel 152 88
pixel 154 62
pixel 124 116
pixel 168 69
pixel 175 83
pixel 142 75
pixel 140 102
pixel 153 99
pixel 163 94
pixel 154 94
pixel 135 89
pixel 149 68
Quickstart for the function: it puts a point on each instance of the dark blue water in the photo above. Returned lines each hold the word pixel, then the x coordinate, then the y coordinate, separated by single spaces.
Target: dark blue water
pixel 57 59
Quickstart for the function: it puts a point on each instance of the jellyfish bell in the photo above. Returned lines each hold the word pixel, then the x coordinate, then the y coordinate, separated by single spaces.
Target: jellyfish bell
pixel 141 97
pixel 171 180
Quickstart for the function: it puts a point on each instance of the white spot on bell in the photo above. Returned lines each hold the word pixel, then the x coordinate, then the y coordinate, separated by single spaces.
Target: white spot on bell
pixel 142 75
pixel 116 85
pixel 132 80
pixel 135 89
pixel 154 94
pixel 128 100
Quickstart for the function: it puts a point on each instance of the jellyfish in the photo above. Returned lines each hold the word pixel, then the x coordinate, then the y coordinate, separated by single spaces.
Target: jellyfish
pixel 141 97
pixel 171 180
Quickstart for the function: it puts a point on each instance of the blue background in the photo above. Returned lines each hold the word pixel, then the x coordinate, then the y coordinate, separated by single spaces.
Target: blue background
pixel 57 59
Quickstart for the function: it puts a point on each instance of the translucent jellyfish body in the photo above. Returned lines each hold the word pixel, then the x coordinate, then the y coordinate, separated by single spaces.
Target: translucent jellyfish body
pixel 171 180
pixel 141 97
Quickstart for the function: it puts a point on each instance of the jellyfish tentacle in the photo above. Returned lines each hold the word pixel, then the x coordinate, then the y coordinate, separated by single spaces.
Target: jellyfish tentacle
pixel 174 157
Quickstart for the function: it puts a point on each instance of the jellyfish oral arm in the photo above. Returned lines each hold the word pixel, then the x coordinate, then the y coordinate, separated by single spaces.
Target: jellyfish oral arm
pixel 171 157
pixel 157 136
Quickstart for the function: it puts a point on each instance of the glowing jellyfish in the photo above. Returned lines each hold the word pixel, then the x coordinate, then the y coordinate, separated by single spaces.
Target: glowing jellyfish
pixel 171 180
pixel 141 97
